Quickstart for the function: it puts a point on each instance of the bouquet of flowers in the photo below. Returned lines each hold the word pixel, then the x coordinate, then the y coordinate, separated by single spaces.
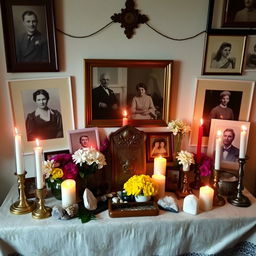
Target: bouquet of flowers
pixel 186 159
pixel 205 165
pixel 140 185
pixel 88 160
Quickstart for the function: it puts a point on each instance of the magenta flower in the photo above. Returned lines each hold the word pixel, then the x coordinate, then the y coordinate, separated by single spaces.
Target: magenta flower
pixel 70 171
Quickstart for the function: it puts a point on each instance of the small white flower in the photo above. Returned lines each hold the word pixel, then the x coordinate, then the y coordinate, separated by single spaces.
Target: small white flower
pixel 47 167
pixel 185 158
pixel 178 126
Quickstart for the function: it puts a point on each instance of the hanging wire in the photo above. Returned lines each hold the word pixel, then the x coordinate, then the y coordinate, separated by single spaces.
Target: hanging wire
pixel 111 22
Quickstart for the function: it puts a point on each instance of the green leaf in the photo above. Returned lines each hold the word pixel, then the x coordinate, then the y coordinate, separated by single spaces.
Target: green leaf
pixel 85 215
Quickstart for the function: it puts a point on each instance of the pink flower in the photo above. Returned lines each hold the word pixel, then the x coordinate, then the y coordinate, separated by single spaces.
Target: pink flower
pixel 70 171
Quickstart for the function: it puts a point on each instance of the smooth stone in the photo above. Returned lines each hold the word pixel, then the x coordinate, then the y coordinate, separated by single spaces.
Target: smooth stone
pixel 191 204
pixel 168 203
pixel 90 202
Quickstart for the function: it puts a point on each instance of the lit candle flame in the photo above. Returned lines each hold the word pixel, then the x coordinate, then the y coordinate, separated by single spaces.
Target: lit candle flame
pixel 124 113
pixel 219 133
pixel 201 121
pixel 16 130
pixel 37 142
pixel 244 128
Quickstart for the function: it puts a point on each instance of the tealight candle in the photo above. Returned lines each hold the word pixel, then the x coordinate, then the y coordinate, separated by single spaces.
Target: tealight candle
pixel 242 142
pixel 159 180
pixel 18 153
pixel 68 192
pixel 160 165
pixel 38 151
pixel 217 150
pixel 125 119
pixel 206 198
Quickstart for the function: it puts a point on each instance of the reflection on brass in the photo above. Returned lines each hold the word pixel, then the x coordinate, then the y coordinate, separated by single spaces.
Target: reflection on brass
pixel 42 211
pixel 22 206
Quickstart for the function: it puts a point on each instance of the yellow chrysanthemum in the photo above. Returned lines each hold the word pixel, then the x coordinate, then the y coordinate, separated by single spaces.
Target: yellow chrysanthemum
pixel 57 173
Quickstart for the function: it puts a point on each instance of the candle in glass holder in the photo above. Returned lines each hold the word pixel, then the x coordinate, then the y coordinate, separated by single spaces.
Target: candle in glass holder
pixel 18 153
pixel 38 151
pixel 68 192
pixel 159 180
pixel 242 141
pixel 206 198
pixel 160 165
pixel 217 150
pixel 125 119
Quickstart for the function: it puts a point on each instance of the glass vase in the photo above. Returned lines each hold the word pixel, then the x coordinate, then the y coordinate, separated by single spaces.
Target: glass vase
pixel 56 189
pixel 177 145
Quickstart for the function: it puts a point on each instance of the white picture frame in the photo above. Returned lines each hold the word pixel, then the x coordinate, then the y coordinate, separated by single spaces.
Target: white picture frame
pixel 60 99
pixel 75 138
pixel 222 125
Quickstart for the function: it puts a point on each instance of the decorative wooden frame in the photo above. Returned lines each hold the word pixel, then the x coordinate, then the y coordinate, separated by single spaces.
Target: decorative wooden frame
pixel 166 137
pixel 235 64
pixel 12 26
pixel 74 138
pixel 216 12
pixel 218 124
pixel 59 89
pixel 245 87
pixel 125 87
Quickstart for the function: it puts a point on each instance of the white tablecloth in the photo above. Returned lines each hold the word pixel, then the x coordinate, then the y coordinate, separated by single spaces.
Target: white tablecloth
pixel 166 234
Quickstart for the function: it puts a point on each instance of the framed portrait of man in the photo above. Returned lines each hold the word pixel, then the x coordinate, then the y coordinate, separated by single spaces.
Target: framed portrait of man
pixel 29 34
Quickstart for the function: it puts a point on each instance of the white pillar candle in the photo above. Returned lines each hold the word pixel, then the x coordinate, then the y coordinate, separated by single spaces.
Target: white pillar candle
pixel 206 198
pixel 20 169
pixel 68 192
pixel 242 142
pixel 38 150
pixel 217 150
pixel 160 165
pixel 159 180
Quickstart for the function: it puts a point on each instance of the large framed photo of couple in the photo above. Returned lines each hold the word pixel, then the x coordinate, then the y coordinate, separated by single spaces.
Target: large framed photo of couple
pixel 220 99
pixel 140 87
pixel 42 109
pixel 29 35
pixel 230 146
pixel 224 55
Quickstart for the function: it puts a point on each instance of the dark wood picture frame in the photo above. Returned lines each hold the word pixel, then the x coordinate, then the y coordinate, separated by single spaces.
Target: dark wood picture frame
pixel 30 187
pixel 124 84
pixel 50 154
pixel 12 26
pixel 158 137
pixel 173 178
pixel 216 15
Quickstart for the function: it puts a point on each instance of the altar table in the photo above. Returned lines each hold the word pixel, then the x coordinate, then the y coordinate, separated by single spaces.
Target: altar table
pixel 227 230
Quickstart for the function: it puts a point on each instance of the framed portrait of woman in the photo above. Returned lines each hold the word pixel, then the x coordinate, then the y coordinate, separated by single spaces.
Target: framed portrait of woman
pixel 159 144
pixel 39 107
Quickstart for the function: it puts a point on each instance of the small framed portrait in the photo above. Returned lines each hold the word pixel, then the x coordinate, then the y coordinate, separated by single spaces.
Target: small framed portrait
pixel 140 87
pixel 159 144
pixel 39 107
pixel 220 99
pixel 83 138
pixel 49 155
pixel 230 147
pixel 240 13
pixel 173 178
pixel 224 55
pixel 250 54
pixel 29 35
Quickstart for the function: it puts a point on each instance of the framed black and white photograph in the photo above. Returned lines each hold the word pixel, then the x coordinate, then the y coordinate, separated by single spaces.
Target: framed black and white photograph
pixel 159 144
pixel 39 107
pixel 29 34
pixel 141 87
pixel 224 55
pixel 220 99
pixel 84 138
pixel 230 132
pixel 250 54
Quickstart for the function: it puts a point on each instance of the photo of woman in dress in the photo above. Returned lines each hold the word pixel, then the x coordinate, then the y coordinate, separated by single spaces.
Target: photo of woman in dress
pixel 44 122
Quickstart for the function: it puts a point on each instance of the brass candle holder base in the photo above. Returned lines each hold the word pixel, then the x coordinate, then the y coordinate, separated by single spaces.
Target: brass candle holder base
pixel 217 199
pixel 42 211
pixel 239 199
pixel 22 206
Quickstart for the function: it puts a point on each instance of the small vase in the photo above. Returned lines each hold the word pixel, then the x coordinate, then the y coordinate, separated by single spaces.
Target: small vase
pixel 177 145
pixel 141 198
pixel 56 189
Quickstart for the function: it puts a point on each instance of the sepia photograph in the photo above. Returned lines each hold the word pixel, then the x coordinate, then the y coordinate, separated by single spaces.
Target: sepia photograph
pixel 250 60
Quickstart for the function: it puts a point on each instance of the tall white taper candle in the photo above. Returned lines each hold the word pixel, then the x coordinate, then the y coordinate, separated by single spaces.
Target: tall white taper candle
pixel 217 150
pixel 39 161
pixel 19 153
pixel 242 142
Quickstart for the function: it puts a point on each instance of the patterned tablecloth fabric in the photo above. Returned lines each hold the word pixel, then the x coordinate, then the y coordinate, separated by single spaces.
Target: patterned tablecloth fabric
pixel 226 230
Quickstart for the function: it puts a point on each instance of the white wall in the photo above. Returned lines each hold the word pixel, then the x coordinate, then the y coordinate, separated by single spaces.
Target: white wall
pixel 176 18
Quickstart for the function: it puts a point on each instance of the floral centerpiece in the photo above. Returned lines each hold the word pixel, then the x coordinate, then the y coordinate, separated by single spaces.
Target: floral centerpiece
pixel 178 128
pixel 185 158
pixel 140 185
pixel 57 169
pixel 205 165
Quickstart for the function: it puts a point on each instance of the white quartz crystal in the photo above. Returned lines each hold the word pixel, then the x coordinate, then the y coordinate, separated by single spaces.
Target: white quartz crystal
pixel 190 204
pixel 90 202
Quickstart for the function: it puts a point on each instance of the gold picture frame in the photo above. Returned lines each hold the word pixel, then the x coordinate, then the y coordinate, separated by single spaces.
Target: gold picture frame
pixel 60 100
pixel 243 91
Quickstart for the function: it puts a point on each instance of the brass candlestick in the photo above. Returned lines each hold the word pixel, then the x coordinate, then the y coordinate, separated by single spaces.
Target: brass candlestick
pixel 239 199
pixel 22 206
pixel 185 190
pixel 42 211
pixel 217 199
